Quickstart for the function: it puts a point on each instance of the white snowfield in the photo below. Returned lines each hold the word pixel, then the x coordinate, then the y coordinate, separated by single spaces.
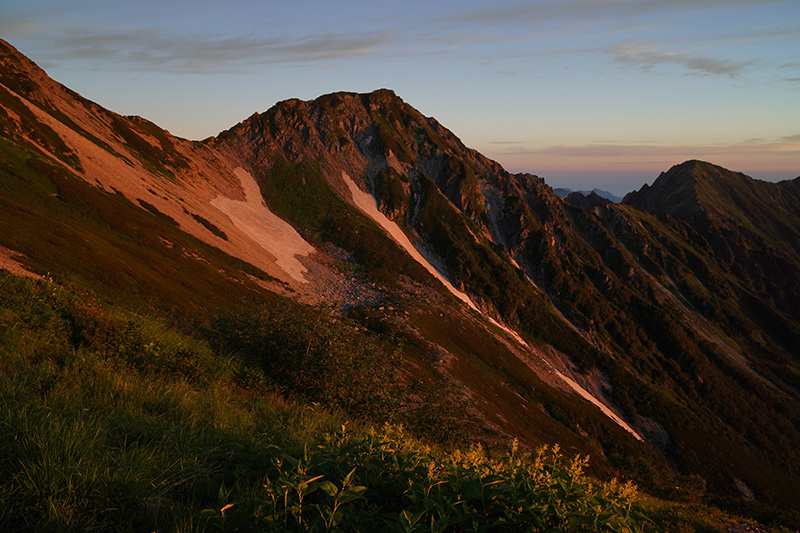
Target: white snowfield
pixel 276 236
pixel 367 205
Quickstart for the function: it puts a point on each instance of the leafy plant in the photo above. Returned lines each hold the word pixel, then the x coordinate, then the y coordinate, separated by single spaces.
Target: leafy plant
pixel 110 421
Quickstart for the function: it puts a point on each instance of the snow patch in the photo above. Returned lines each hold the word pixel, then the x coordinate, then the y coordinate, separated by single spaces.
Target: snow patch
pixel 583 393
pixel 744 490
pixel 368 206
pixel 270 232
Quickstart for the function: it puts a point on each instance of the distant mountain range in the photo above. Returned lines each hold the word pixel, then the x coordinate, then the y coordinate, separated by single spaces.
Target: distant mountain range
pixel 563 193
pixel 659 334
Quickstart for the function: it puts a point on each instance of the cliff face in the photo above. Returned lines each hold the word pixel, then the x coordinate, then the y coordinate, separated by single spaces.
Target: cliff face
pixel 674 313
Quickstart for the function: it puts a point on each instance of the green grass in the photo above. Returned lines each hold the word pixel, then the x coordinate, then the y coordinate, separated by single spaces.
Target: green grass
pixel 110 421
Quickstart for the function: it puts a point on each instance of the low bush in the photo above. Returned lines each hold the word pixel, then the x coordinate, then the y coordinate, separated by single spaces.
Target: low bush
pixel 384 481
pixel 310 353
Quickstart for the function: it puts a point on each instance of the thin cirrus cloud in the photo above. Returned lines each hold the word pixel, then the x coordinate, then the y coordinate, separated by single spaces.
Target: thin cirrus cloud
pixel 543 12
pixel 788 145
pixel 156 50
pixel 504 31
pixel 648 57
pixel 679 24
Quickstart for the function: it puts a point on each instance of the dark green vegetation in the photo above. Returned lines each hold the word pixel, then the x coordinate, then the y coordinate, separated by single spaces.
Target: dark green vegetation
pixel 692 320
pixel 317 358
pixel 110 421
pixel 208 225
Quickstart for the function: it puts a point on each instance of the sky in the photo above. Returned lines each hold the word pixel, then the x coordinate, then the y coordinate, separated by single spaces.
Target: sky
pixel 585 93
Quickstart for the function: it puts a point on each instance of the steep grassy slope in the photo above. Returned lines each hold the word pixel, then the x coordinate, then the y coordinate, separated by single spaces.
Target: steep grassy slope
pixel 202 192
pixel 138 256
pixel 104 242
pixel 286 150
pixel 109 421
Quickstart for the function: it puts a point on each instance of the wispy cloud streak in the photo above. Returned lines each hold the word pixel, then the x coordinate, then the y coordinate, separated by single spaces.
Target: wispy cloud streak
pixel 543 12
pixel 504 31
pixel 647 57
pixel 570 22
pixel 788 145
pixel 151 49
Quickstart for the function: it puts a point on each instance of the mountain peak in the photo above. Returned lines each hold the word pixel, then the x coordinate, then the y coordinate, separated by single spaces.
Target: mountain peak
pixel 673 192
pixel 335 99
pixel 700 192
pixel 685 189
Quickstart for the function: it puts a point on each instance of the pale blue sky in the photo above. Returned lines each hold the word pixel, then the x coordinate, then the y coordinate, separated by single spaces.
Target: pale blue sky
pixel 585 93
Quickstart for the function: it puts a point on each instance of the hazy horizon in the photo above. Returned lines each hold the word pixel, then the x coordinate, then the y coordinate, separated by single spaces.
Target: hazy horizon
pixel 621 183
pixel 586 94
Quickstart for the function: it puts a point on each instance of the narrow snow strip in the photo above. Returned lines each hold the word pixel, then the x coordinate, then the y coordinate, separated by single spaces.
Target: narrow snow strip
pixel 597 403
pixel 273 234
pixel 368 206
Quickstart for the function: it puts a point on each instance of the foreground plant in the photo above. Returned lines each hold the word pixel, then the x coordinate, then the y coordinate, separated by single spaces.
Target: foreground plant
pixel 112 422
pixel 385 481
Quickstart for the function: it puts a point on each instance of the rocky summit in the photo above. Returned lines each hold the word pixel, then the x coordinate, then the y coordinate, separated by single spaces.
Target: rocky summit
pixel 659 335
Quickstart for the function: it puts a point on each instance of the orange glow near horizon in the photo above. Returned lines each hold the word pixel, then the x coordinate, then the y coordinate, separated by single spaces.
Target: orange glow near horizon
pixel 628 166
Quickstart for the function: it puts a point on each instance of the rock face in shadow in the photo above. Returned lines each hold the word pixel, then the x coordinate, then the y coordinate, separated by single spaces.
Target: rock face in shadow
pixel 590 201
